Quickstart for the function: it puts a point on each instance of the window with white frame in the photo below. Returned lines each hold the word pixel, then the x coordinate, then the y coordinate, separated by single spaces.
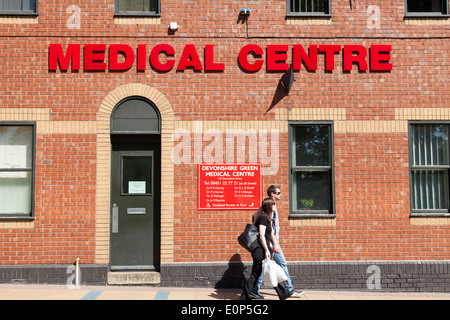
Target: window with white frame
pixel 311 165
pixel 18 7
pixel 137 7
pixel 309 7
pixel 430 164
pixel 16 170
pixel 426 8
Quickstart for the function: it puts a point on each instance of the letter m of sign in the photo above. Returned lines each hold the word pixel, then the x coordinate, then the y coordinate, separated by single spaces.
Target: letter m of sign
pixel 56 55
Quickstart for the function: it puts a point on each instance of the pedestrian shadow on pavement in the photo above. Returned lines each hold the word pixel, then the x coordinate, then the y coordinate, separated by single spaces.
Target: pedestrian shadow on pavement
pixel 232 281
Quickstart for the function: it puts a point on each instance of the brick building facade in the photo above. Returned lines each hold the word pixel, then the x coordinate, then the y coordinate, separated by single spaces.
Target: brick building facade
pixel 359 146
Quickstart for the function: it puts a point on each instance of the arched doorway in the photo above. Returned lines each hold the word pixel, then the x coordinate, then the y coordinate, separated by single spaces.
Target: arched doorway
pixel 135 185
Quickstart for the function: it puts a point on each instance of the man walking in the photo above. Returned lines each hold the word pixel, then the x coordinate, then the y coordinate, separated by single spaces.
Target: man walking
pixel 275 193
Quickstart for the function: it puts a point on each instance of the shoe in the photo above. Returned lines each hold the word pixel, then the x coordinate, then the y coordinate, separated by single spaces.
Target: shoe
pixel 295 293
pixel 256 296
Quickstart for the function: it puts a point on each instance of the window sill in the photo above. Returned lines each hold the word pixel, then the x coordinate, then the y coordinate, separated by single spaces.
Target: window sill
pixel 137 14
pixel 16 217
pixel 429 215
pixel 308 20
pixel 426 15
pixel 306 214
pixel 18 13
pixel 308 15
pixel 426 21
pixel 140 20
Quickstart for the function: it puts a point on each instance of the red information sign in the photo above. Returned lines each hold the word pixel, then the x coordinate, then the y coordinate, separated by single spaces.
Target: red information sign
pixel 229 186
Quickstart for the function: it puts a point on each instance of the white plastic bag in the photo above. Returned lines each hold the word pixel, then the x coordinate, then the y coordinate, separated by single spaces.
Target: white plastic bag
pixel 272 273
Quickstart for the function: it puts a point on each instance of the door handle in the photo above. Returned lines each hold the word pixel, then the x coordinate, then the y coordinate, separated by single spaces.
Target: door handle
pixel 115 219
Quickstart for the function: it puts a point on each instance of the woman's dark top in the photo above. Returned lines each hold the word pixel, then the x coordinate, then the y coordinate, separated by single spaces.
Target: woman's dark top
pixel 263 220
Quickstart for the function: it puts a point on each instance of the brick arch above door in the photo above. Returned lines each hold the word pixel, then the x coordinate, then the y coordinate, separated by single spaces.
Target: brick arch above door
pixel 104 168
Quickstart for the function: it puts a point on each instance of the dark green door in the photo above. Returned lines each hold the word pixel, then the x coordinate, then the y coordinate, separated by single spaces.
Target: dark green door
pixel 135 206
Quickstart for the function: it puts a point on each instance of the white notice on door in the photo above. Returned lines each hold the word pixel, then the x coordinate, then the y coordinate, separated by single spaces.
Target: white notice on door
pixel 136 187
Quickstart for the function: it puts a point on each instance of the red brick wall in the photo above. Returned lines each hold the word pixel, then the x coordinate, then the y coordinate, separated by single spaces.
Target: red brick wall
pixel 372 211
pixel 371 170
pixel 64 205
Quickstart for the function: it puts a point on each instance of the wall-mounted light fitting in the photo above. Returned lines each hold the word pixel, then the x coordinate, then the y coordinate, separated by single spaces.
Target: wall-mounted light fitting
pixel 245 11
pixel 173 26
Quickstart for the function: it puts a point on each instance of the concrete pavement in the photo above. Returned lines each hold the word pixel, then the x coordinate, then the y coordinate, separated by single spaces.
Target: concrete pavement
pixel 62 292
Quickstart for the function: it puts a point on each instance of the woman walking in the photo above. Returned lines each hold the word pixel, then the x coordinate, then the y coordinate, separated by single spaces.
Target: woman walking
pixel 265 250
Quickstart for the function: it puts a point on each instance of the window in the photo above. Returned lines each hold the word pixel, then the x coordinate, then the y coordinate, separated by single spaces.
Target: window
pixel 426 8
pixel 137 175
pixel 16 170
pixel 138 7
pixel 311 180
pixel 309 8
pixel 18 7
pixel 429 162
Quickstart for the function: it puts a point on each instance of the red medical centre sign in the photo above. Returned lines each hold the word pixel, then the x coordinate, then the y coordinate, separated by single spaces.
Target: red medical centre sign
pixel 122 57
pixel 229 186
